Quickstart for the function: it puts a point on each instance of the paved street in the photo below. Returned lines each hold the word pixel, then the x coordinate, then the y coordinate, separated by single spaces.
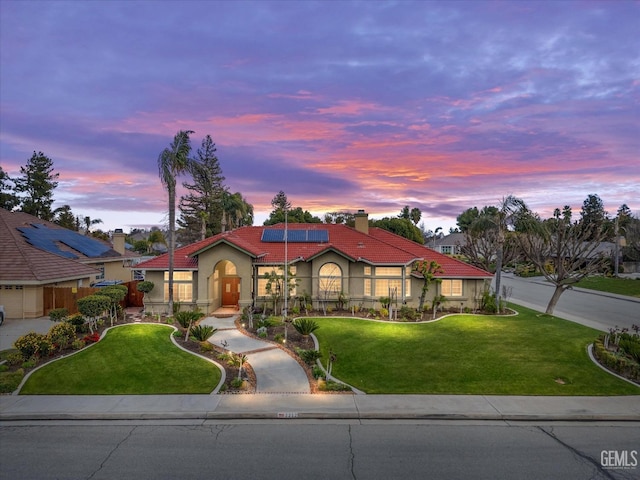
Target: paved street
pixel 318 450
pixel 587 307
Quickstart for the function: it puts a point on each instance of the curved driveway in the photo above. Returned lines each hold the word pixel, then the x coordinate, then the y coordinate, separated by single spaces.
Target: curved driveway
pixel 594 309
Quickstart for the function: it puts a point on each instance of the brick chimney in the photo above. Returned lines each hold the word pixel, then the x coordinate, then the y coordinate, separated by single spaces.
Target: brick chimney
pixel 118 241
pixel 362 221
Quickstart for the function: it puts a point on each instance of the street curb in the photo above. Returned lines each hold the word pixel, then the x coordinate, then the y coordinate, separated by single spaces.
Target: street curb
pixel 206 416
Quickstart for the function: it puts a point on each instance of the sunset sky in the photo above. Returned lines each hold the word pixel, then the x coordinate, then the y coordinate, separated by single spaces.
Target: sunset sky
pixel 343 105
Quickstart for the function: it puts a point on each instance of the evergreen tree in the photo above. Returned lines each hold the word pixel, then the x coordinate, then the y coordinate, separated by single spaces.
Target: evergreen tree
pixel 64 217
pixel 37 183
pixel 8 199
pixel 201 209
pixel 594 218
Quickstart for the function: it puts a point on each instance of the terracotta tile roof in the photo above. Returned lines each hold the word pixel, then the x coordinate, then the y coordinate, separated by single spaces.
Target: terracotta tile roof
pixel 22 263
pixel 452 267
pixel 379 247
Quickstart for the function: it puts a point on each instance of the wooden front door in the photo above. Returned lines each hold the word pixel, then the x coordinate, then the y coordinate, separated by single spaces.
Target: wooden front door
pixel 230 291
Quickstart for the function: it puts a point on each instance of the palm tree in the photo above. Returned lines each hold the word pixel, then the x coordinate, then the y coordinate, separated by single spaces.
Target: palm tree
pixel 88 222
pixel 172 162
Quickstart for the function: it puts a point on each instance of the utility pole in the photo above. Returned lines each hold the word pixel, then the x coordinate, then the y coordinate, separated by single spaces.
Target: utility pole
pixel 286 252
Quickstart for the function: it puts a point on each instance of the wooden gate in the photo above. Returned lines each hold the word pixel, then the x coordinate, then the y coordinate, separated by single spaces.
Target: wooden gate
pixel 67 297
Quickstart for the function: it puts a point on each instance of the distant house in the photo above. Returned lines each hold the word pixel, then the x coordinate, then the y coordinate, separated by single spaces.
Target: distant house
pixel 363 263
pixel 35 254
pixel 449 244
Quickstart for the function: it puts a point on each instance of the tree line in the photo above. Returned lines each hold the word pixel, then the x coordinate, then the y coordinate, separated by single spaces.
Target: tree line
pixel 562 248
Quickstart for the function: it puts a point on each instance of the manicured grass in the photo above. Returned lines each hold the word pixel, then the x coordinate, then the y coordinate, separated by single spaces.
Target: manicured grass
pixel 130 360
pixel 468 354
pixel 621 286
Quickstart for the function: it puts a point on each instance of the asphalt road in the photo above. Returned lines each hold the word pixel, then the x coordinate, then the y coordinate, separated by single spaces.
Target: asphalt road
pixel 324 450
pixel 582 306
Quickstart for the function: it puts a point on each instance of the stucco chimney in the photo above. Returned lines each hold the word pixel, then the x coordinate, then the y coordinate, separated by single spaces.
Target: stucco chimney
pixel 118 241
pixel 362 221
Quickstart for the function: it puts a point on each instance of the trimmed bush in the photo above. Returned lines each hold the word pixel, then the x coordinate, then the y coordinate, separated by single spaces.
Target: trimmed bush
pixel 34 344
pixel 58 314
pixel 9 381
pixel 618 363
pixel 62 334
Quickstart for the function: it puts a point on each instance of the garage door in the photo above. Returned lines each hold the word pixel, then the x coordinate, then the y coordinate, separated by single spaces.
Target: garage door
pixel 11 298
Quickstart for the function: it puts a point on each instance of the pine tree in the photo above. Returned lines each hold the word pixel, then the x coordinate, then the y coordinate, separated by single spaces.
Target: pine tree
pixel 37 183
pixel 201 208
pixel 8 199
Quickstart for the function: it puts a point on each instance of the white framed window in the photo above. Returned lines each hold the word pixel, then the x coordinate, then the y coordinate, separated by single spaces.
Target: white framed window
pixel 451 288
pixel 386 278
pixel 330 279
pixel 262 282
pixel 182 286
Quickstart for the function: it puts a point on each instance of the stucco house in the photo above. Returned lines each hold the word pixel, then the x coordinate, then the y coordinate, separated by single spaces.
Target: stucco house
pixel 227 270
pixel 450 244
pixel 35 254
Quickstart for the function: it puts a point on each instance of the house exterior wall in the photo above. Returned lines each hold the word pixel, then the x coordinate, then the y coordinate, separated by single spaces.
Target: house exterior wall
pixel 209 276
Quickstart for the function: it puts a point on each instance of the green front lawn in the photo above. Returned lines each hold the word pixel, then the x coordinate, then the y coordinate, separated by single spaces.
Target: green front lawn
pixel 527 354
pixel 130 360
pixel 621 286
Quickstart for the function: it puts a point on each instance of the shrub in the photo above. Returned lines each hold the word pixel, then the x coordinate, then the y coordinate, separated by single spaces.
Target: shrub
pixel 384 302
pixel 620 364
pixel 29 363
pixel 58 314
pixel 206 347
pixel 76 320
pixel 145 287
pixel 177 334
pixel 62 334
pixel 267 322
pixel 317 372
pixel 202 332
pixel 237 382
pixel 630 345
pixel 331 386
pixel 279 338
pixel 305 326
pixel 186 318
pixel 309 356
pixel 78 344
pixel 14 358
pixel 34 344
pixel 408 313
pixel 92 338
pixel 261 331
pixel 384 313
pixel 9 381
pixel 295 310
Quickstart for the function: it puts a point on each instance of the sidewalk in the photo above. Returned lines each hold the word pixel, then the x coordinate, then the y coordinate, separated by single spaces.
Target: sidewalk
pixel 306 406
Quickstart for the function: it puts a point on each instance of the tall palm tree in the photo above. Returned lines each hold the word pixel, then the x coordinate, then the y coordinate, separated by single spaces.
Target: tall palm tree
pixel 172 162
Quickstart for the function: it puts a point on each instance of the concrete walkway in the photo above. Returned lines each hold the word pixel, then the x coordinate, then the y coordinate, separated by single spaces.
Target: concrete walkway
pixel 276 371
pixel 347 406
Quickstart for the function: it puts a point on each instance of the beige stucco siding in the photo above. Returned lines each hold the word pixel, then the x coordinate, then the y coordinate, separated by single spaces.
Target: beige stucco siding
pixel 210 274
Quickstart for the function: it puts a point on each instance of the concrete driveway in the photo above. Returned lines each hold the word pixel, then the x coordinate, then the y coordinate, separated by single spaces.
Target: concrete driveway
pixel 14 328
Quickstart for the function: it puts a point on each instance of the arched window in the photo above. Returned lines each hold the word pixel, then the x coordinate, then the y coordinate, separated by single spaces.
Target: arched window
pixel 330 279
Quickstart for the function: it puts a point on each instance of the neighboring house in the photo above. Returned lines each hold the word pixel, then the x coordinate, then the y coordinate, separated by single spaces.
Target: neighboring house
pixel 35 254
pixel 364 263
pixel 449 244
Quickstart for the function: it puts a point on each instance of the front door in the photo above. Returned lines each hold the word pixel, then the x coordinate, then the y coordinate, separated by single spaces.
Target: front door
pixel 230 291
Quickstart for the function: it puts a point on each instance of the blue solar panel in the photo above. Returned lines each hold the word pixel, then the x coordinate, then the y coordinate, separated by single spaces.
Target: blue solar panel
pixel 46 239
pixel 277 235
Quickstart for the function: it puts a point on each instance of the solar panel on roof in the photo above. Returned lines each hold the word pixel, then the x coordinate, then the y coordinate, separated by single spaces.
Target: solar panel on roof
pixel 46 239
pixel 277 235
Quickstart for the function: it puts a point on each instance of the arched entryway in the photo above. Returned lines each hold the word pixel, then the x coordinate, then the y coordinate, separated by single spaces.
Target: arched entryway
pixel 226 290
